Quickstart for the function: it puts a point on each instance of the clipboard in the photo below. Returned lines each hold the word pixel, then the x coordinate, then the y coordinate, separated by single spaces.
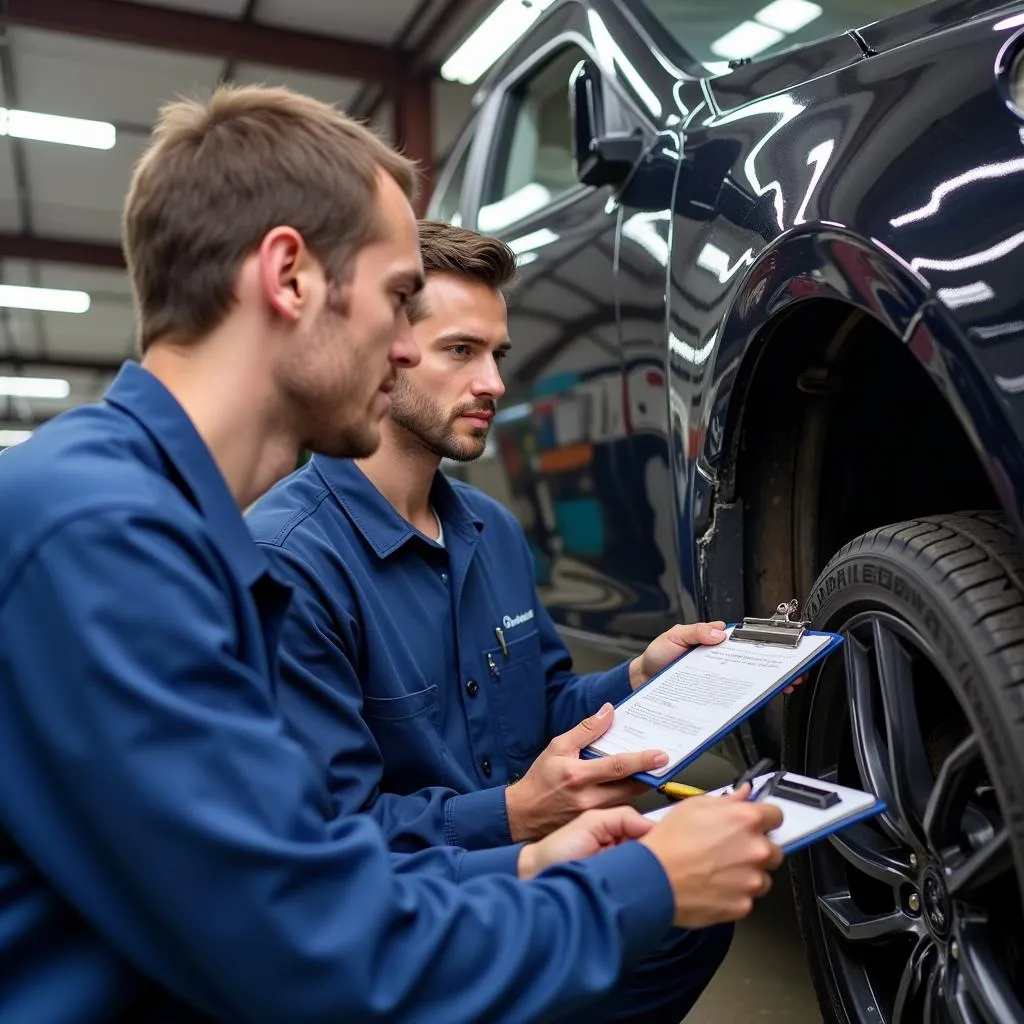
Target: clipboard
pixel 779 630
pixel 804 824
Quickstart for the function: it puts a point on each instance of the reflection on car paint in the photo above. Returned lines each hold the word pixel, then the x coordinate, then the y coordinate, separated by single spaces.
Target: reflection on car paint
pixel 879 170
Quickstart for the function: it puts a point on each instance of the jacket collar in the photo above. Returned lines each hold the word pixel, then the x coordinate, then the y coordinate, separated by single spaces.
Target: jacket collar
pixel 143 397
pixel 377 519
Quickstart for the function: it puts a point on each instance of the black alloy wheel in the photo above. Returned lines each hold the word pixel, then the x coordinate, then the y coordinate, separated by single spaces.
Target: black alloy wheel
pixel 916 916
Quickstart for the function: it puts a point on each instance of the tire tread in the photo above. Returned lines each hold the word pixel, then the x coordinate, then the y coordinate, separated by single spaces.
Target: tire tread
pixel 974 561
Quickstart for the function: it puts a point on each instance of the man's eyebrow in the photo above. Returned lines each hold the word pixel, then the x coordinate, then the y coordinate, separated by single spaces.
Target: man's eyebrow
pixel 466 338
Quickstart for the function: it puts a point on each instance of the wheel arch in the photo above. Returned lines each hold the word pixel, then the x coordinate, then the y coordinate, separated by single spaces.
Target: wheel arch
pixel 830 265
pixel 827 350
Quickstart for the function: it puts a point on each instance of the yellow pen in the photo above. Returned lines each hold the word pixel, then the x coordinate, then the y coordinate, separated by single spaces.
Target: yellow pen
pixel 678 791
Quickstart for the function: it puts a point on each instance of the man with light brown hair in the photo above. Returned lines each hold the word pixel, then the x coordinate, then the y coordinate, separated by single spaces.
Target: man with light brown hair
pixel 168 852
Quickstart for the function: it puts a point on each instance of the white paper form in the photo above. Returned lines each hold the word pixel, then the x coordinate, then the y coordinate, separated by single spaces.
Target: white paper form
pixel 705 691
pixel 798 820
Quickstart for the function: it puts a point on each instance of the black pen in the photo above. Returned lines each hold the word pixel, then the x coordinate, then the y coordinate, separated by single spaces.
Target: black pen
pixel 767 787
pixel 762 766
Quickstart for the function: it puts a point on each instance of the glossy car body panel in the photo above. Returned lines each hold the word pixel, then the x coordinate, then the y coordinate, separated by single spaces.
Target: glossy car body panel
pixel 878 171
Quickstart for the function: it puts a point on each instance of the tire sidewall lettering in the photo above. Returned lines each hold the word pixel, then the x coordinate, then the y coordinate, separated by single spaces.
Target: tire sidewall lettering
pixel 909 597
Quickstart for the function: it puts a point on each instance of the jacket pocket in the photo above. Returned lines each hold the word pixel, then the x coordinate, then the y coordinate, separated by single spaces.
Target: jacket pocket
pixel 394 709
pixel 407 732
pixel 520 695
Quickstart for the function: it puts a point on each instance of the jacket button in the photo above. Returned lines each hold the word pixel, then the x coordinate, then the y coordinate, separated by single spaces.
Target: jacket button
pixel 472 687
pixel 485 767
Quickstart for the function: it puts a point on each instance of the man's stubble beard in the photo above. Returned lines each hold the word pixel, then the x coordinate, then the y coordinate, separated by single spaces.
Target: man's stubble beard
pixel 333 425
pixel 420 416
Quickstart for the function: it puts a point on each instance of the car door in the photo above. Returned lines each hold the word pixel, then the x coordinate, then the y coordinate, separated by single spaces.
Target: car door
pixel 560 453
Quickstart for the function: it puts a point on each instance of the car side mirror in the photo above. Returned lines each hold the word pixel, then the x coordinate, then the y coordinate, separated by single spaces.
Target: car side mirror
pixel 600 158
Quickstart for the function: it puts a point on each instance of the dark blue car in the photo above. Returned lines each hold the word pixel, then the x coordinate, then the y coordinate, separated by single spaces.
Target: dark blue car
pixel 769 343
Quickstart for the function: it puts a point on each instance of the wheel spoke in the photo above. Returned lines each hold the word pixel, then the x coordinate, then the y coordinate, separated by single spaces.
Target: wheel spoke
pixel 920 963
pixel 988 864
pixel 981 985
pixel 951 825
pixel 854 925
pixel 951 792
pixel 871 854
pixel 933 1006
pixel 959 1006
pixel 867 743
pixel 911 776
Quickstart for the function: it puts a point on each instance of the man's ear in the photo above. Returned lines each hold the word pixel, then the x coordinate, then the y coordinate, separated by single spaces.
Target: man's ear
pixel 286 272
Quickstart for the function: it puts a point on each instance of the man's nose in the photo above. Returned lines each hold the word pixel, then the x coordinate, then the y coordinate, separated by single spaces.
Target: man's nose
pixel 489 383
pixel 404 351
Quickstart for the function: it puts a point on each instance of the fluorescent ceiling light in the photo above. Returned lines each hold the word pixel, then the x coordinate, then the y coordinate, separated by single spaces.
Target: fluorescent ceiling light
pixel 788 15
pixel 745 40
pixel 48 300
pixel 71 131
pixel 492 38
pixel 34 387
pixel 9 438
pixel 533 240
pixel 514 207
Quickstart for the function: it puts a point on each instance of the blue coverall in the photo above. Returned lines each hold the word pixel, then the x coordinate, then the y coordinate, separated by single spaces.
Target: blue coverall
pixel 168 851
pixel 426 676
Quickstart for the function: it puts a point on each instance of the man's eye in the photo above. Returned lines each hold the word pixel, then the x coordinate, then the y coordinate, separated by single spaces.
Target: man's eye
pixel 459 350
pixel 500 355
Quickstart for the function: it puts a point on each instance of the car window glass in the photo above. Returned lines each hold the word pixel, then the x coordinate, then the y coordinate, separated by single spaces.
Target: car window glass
pixel 714 34
pixel 531 161
pixel 448 203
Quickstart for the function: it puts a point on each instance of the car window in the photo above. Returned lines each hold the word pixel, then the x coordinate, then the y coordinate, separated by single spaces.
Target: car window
pixel 447 203
pixel 714 34
pixel 531 161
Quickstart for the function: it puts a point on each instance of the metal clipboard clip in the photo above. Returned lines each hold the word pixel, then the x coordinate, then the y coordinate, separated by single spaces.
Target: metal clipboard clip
pixel 780 629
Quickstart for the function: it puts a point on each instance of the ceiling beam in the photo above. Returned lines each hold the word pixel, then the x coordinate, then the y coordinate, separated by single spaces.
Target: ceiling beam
pixel 61 250
pixel 90 364
pixel 418 63
pixel 27 423
pixel 189 32
pixel 429 39
pixel 17 425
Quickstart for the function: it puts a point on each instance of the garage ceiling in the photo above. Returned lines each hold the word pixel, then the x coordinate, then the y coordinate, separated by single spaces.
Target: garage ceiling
pixel 119 61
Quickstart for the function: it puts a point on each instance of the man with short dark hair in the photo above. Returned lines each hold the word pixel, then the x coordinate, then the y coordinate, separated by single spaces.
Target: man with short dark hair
pixel 168 852
pixel 418 662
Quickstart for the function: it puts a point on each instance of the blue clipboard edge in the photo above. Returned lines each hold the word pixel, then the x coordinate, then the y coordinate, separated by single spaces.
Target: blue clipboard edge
pixel 879 807
pixel 654 781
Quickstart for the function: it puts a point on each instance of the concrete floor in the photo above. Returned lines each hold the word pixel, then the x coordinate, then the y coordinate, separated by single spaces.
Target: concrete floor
pixel 764 979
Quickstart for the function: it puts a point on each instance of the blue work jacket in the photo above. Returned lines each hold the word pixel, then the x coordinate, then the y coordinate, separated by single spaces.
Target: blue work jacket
pixel 168 852
pixel 423 676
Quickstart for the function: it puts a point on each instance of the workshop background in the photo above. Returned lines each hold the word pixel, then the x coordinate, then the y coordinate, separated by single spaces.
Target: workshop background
pixel 81 82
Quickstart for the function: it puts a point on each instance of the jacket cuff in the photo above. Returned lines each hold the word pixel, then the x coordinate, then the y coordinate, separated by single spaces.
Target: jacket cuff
pixel 477 821
pixel 610 686
pixel 504 860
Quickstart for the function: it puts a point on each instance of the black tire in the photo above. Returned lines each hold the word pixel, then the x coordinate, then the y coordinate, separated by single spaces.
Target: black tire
pixel 917 916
